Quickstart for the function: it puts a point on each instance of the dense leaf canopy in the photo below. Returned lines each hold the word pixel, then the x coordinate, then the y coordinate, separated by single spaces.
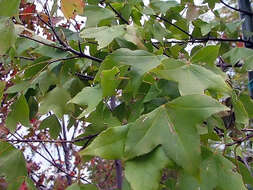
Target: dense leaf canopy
pixel 126 95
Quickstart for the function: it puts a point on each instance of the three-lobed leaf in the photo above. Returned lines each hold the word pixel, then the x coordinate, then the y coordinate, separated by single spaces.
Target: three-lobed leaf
pixel 193 79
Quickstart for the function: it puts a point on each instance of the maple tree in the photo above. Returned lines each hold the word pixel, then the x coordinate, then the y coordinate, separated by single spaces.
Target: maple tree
pixel 126 95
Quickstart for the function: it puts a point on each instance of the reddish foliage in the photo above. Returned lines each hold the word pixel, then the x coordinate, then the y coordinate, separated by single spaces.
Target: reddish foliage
pixel 23 186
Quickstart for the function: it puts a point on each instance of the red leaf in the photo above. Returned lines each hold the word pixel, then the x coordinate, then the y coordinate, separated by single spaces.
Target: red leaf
pixel 23 186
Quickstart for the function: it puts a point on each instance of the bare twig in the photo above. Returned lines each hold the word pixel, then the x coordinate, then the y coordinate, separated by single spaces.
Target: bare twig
pixel 56 166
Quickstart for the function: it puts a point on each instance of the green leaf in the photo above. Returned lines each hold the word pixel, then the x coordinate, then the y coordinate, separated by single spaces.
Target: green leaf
pixel 194 109
pixel 51 52
pixel 102 14
pixel 207 54
pixel 19 114
pixel 216 172
pixel 248 103
pixel 90 97
pixel 45 80
pixel 109 144
pixel 9 8
pixel 53 124
pixel 194 79
pixel 77 186
pixel 178 34
pixel 55 101
pixel 7 33
pixel 207 27
pixel 133 34
pixel 104 35
pixel 238 54
pixel 145 172
pixel 33 107
pixel 2 87
pixel 163 6
pixel 12 164
pixel 101 118
pixel 165 126
pixel 241 115
pixel 141 61
pixel 109 81
pixel 19 87
pixel 147 132
pixel 244 171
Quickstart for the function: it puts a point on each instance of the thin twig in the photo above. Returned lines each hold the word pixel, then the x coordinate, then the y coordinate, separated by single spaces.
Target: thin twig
pixel 179 28
pixel 204 40
pixel 235 9
pixel 239 141
pixel 41 42
pixel 56 166
pixel 48 141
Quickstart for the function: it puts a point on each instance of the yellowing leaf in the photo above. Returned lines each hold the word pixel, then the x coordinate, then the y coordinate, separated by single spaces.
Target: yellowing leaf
pixel 71 8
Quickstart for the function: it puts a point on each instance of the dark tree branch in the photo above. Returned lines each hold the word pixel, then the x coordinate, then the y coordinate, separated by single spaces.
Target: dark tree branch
pixel 84 77
pixel 41 42
pixel 50 155
pixel 204 40
pixel 235 9
pixel 179 28
pixel 239 141
pixel 118 14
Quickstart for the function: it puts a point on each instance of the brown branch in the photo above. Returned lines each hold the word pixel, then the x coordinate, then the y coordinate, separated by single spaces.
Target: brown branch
pixel 66 46
pixel 235 9
pixel 239 141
